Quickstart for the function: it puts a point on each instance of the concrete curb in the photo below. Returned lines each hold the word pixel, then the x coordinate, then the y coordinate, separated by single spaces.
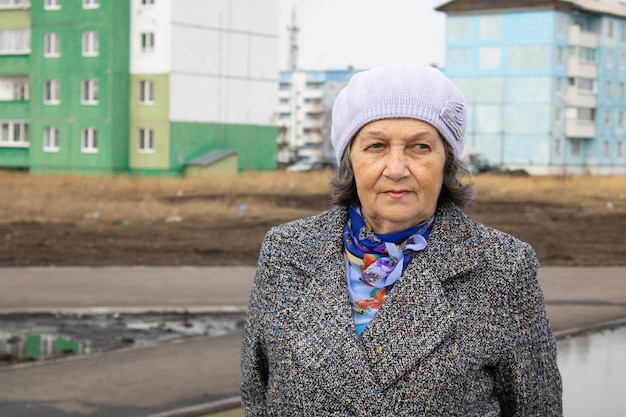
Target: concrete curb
pixel 202 409
pixel 595 327
pixel 108 310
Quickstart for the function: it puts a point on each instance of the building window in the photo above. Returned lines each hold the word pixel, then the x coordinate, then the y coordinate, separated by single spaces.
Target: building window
pixel 586 114
pixel 609 59
pixel 607 118
pixel 575 147
pixel 557 147
pixel 14 89
pixel 90 43
pixel 622 61
pixel 586 54
pixel 52 92
pixel 609 88
pixel 13 133
pixel 610 32
pixel 51 139
pixel 52 4
pixel 146 140
pixel 51 45
pixel 91 4
pixel 584 85
pixel 89 93
pixel 620 119
pixel 558 115
pixel 620 149
pixel 89 140
pixel 12 4
pixel 559 85
pixel 607 148
pixel 15 41
pixel 147 42
pixel 560 56
pixel 621 90
pixel 146 92
pixel 623 32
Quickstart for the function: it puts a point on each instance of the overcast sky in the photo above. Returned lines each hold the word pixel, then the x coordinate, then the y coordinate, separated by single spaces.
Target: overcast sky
pixel 335 34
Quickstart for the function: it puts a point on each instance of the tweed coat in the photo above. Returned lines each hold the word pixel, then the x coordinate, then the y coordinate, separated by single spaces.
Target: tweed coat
pixel 462 333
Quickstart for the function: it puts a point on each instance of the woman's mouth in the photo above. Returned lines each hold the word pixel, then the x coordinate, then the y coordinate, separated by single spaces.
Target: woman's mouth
pixel 396 193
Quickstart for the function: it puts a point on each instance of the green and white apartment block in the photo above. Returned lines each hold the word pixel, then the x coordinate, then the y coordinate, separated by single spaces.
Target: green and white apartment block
pixel 145 87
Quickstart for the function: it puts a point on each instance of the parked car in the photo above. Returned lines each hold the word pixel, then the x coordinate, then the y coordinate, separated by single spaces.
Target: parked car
pixel 311 164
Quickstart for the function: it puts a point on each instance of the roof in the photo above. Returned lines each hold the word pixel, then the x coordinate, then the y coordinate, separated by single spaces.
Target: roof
pixel 612 7
pixel 211 157
pixel 608 7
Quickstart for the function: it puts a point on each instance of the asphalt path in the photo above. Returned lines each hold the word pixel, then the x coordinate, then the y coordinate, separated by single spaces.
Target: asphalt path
pixel 192 374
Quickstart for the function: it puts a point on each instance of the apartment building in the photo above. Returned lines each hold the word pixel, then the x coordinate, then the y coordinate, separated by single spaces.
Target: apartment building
pixel 305 101
pixel 136 86
pixel 544 80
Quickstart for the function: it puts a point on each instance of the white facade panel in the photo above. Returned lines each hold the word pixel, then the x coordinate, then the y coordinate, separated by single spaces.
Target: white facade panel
pixel 145 19
pixel 255 16
pixel 208 99
pixel 224 66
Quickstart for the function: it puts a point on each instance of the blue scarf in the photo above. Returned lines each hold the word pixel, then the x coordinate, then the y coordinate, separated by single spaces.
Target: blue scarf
pixel 374 262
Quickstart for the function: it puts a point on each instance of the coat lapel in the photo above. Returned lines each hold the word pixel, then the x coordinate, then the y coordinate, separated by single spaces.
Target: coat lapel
pixel 416 316
pixel 414 320
pixel 329 350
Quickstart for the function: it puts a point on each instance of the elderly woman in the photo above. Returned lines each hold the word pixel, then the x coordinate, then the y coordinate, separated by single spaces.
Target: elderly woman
pixel 394 302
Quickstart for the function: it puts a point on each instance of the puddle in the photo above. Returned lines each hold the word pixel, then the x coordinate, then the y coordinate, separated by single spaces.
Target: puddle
pixel 593 368
pixel 33 337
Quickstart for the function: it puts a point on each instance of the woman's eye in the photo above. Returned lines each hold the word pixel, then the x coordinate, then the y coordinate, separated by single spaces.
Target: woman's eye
pixel 375 146
pixel 422 146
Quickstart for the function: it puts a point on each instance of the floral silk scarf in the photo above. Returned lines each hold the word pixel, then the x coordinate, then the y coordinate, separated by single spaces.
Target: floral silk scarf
pixel 374 262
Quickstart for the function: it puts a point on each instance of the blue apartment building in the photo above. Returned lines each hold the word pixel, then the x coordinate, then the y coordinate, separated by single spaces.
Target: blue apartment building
pixel 544 81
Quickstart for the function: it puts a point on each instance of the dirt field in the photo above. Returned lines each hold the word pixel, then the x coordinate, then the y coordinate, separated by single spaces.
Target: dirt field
pixel 75 220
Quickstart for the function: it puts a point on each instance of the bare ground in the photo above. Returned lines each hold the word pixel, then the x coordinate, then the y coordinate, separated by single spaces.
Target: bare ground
pixel 568 221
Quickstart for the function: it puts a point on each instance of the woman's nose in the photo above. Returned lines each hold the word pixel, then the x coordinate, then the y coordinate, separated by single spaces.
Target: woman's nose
pixel 396 166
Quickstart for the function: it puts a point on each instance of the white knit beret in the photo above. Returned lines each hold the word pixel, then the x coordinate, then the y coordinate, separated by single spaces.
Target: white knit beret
pixel 399 91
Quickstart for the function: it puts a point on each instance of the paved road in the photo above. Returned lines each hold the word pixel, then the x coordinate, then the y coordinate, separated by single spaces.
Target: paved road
pixel 144 381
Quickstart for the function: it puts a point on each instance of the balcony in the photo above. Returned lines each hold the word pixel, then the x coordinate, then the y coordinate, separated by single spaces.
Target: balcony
pixel 585 69
pixel 576 98
pixel 310 93
pixel 579 37
pixel 582 129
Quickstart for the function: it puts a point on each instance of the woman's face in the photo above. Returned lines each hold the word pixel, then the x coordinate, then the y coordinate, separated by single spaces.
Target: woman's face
pixel 398 167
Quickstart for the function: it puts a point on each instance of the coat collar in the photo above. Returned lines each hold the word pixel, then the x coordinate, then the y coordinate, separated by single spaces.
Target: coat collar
pixel 414 320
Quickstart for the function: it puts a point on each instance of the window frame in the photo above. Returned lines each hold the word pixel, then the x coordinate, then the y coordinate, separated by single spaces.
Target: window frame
pixel 145 143
pixel 21 89
pixel 89 92
pixel 90 43
pixel 10 141
pixel 146 95
pixel 14 4
pixel 91 4
pixel 52 5
pixel 51 139
pixel 16 41
pixel 89 140
pixel 52 45
pixel 147 42
pixel 52 92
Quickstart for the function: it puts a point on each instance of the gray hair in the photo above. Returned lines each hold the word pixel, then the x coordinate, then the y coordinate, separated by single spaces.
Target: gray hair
pixel 343 191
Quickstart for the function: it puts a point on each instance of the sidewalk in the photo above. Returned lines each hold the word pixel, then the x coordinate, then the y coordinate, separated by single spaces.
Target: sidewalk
pixel 154 380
